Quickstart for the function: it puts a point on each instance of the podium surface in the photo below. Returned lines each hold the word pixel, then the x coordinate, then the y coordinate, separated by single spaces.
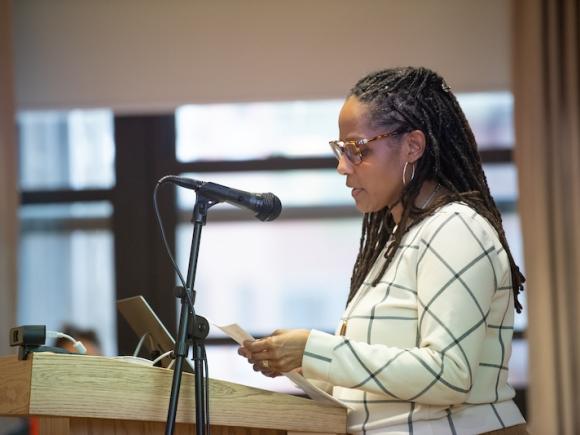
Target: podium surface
pixel 77 394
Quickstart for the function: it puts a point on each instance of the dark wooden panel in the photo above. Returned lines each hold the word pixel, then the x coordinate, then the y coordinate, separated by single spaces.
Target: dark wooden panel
pixel 145 150
pixel 521 401
pixel 270 164
pixel 496 155
pixel 65 196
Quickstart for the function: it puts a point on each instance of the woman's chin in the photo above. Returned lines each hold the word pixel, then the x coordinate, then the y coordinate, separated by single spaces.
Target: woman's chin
pixel 364 208
pixel 368 208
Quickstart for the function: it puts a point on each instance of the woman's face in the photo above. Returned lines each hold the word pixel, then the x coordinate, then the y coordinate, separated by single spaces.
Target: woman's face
pixel 377 181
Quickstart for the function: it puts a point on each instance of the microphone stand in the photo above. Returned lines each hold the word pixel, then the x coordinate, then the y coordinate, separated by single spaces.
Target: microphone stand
pixel 191 328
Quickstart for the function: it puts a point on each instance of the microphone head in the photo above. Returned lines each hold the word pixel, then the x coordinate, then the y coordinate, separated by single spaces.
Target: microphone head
pixel 270 208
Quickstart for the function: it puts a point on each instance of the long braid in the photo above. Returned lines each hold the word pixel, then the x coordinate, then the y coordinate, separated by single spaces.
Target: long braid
pixel 419 99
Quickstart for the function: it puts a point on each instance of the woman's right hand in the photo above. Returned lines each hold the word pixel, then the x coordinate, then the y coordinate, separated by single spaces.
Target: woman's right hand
pixel 258 365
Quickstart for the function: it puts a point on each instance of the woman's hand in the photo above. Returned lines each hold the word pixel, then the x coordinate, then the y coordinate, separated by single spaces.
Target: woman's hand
pixel 279 353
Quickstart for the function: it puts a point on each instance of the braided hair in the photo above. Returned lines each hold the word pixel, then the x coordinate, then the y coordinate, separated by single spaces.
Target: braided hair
pixel 419 99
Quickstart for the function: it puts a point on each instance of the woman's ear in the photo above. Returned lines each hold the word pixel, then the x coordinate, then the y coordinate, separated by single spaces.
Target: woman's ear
pixel 416 143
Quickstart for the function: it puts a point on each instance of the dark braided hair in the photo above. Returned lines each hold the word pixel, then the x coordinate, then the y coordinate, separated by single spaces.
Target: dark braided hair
pixel 407 99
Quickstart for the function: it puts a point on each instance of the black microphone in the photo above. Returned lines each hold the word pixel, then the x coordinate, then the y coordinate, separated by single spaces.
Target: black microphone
pixel 267 206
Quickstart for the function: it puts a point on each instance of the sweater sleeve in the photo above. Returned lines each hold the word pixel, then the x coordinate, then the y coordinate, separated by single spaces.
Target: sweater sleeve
pixel 456 280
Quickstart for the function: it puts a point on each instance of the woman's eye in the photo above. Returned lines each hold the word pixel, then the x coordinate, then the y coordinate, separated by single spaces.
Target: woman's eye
pixel 364 151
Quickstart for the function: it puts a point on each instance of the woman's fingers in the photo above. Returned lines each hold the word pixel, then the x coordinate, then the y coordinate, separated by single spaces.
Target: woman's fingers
pixel 244 352
pixel 279 353
pixel 257 345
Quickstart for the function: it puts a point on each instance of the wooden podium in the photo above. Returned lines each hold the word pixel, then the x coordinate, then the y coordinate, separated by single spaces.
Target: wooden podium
pixel 74 394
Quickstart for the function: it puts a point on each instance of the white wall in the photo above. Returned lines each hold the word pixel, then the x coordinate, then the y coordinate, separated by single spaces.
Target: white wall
pixel 154 54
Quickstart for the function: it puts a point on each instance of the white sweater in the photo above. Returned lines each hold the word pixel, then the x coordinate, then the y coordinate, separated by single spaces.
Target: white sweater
pixel 426 351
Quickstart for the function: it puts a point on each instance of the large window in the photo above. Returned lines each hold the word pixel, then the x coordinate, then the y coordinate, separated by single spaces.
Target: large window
pixel 66 269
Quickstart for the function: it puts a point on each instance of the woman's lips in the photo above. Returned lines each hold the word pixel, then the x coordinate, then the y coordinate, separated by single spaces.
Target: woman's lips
pixel 355 192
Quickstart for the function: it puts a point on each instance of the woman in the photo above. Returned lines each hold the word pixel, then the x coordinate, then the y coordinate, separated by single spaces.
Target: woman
pixel 424 342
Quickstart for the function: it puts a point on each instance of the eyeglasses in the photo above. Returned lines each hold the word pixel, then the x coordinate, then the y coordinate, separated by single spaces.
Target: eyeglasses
pixel 351 149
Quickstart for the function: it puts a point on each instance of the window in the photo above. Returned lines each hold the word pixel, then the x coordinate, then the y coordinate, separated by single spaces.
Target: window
pixel 66 150
pixel 255 130
pixel 66 269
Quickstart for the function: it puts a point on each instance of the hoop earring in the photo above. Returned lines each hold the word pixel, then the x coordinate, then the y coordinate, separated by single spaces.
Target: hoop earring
pixel 405 173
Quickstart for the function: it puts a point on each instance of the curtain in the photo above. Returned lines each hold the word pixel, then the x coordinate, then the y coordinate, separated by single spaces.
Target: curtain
pixel 8 183
pixel 546 90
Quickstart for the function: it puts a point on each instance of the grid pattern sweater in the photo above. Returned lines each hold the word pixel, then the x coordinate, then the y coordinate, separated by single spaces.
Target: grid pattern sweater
pixel 426 350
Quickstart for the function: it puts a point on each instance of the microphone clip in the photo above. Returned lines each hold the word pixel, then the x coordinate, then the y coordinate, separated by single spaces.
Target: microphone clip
pixel 202 205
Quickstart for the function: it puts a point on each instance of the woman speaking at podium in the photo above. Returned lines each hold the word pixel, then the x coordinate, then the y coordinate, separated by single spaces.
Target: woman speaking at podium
pixel 424 343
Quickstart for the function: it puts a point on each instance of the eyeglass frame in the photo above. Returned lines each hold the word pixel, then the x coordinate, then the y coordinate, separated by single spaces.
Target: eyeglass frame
pixel 339 147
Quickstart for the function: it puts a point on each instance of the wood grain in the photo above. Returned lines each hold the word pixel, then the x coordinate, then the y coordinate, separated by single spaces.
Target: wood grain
pixel 105 388
pixel 14 386
pixel 83 426
pixel 54 426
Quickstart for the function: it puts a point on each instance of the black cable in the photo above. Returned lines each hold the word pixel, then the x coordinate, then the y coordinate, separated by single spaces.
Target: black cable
pixel 206 374
pixel 167 249
pixel 160 223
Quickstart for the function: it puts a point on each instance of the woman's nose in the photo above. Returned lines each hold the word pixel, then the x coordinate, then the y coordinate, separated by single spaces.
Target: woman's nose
pixel 344 166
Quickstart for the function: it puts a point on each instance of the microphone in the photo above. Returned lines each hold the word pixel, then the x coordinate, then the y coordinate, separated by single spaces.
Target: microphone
pixel 267 206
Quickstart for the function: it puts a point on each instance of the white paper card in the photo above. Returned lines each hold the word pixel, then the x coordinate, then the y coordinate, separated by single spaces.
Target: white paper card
pixel 236 332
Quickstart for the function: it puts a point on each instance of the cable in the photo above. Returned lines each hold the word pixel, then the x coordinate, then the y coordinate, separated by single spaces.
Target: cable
pixel 77 344
pixel 206 374
pixel 167 249
pixel 160 357
pixel 158 216
pixel 140 344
